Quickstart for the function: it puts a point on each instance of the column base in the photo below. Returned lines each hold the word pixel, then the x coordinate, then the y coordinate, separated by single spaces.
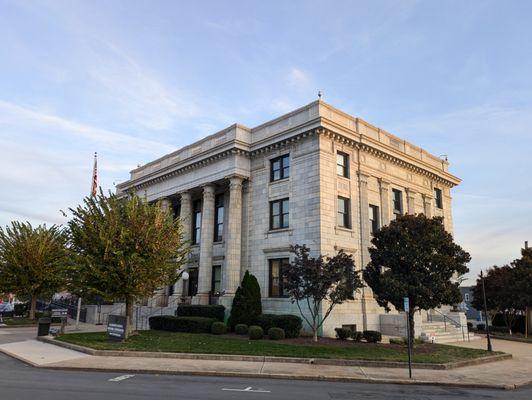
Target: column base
pixel 201 298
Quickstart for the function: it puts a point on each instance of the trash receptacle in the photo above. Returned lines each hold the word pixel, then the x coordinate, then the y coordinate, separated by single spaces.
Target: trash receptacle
pixel 44 326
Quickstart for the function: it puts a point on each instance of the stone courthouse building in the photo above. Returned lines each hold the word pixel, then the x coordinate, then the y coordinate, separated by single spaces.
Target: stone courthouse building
pixel 316 176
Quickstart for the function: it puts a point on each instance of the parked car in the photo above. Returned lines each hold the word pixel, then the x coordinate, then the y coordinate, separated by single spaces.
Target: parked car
pixel 6 310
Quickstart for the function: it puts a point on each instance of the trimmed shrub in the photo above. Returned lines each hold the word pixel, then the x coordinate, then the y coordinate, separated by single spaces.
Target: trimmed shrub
pixel 372 336
pixel 356 336
pixel 218 328
pixel 21 309
pixel 181 324
pixel 241 329
pixel 197 310
pixel 342 333
pixel 291 324
pixel 255 332
pixel 481 327
pixel 266 321
pixel 469 325
pixel 397 341
pixel 276 333
pixel 247 304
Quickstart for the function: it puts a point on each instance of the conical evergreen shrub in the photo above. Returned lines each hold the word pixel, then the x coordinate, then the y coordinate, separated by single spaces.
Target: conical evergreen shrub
pixel 247 305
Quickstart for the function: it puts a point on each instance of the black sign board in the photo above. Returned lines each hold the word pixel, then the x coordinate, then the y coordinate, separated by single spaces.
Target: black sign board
pixel 59 312
pixel 116 327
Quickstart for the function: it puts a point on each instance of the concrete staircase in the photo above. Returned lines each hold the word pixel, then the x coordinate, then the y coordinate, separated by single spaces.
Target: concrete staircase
pixel 445 332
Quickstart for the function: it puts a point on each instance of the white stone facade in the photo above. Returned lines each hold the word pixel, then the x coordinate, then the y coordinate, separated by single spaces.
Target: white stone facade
pixel 237 162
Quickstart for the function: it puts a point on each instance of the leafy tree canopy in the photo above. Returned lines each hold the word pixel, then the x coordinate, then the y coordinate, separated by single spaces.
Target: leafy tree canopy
pixel 126 247
pixel 320 281
pixel 415 257
pixel 32 260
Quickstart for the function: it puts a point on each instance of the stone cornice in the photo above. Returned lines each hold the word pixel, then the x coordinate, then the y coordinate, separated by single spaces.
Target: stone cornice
pixel 438 176
pixel 356 141
pixel 170 171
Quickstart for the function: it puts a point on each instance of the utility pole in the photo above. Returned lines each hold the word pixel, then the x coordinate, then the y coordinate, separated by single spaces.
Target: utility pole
pixel 486 311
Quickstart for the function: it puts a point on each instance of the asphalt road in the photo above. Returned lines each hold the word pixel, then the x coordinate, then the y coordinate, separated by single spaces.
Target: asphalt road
pixel 22 382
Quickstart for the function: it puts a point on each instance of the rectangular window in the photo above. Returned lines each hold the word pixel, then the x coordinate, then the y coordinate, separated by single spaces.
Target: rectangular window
pixel 219 218
pixel 276 288
pixel 216 282
pixel 192 288
pixel 438 197
pixel 342 164
pixel 196 222
pixel 280 168
pixel 397 202
pixel 343 215
pixel 374 219
pixel 279 215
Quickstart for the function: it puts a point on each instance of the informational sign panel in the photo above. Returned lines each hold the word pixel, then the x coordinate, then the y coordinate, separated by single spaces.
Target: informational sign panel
pixel 116 327
pixel 406 304
pixel 59 313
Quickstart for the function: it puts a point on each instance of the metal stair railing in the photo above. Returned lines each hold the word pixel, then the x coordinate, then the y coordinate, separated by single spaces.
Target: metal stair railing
pixel 452 321
pixel 142 319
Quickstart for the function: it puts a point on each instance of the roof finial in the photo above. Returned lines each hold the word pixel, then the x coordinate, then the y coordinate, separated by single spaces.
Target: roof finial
pixel 319 94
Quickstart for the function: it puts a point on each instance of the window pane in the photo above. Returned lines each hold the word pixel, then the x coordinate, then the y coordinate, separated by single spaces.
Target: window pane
pixel 274 278
pixel 276 222
pixel 286 172
pixel 341 205
pixel 276 208
pixel 286 220
pixel 340 159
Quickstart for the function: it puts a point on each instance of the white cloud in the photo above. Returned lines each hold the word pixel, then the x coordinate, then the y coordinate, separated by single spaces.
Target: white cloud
pixel 298 79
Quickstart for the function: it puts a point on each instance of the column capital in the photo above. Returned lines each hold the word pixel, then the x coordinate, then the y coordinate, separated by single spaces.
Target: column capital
pixel 185 195
pixel 363 176
pixel 208 188
pixel 410 192
pixel 235 181
pixel 384 184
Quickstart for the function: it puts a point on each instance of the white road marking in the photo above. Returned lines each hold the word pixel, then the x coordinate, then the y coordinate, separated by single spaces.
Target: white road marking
pixel 248 389
pixel 121 378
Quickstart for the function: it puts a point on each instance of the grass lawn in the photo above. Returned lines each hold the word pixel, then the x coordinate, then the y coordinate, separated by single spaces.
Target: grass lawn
pixel 20 321
pixel 161 341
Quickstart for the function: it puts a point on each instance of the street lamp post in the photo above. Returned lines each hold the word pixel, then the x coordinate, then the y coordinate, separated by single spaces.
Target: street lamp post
pixel 486 312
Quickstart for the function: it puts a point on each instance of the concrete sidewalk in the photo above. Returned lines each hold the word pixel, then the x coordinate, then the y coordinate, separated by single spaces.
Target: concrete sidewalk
pixel 504 374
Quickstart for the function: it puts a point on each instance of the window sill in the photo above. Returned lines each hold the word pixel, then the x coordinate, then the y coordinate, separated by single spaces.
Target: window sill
pixel 343 229
pixel 278 181
pixel 280 230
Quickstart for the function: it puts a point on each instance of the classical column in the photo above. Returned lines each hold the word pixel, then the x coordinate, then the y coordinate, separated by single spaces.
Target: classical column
pixel 206 242
pixel 364 237
pixel 427 205
pixel 186 222
pixel 233 241
pixel 411 201
pixel 384 188
pixel 186 215
pixel 165 204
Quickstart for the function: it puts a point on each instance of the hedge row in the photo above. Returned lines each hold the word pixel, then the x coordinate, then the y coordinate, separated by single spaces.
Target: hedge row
pixel 291 324
pixel 195 310
pixel 181 324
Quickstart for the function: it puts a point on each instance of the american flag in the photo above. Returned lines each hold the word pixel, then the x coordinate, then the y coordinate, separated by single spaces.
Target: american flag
pixel 94 186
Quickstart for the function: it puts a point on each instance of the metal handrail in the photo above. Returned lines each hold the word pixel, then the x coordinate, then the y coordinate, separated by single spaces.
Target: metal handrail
pixel 454 322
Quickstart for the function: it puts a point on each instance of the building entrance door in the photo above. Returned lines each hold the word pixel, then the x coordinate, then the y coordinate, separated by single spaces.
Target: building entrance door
pixel 192 281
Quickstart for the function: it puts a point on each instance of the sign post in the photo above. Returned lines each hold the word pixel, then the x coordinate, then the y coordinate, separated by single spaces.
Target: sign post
pixel 116 327
pixel 406 307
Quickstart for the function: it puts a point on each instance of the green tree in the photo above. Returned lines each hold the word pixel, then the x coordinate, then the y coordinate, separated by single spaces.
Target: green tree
pixel 508 289
pixel 126 248
pixel 321 281
pixel 415 257
pixel 32 260
pixel 247 304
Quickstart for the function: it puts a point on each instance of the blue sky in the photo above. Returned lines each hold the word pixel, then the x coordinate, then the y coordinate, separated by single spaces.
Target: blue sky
pixel 136 79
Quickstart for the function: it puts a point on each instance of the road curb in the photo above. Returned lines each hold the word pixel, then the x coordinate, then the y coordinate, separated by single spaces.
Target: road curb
pixel 327 378
pixel 316 361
